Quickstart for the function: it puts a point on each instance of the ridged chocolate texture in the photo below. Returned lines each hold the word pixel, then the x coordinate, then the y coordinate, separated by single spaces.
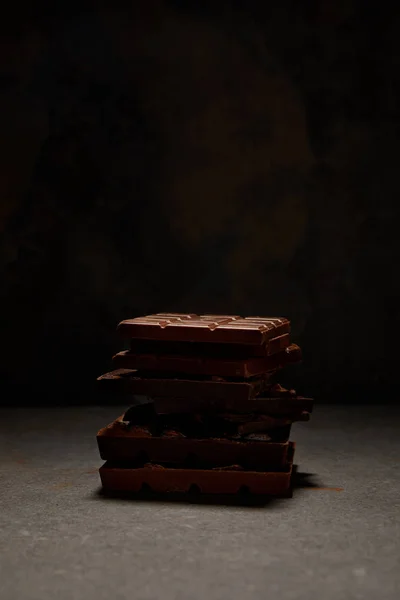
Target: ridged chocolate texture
pixel 120 443
pixel 208 366
pixel 117 477
pixel 204 328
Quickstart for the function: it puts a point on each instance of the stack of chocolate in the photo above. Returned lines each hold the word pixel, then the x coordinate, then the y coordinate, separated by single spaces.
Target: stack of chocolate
pixel 205 413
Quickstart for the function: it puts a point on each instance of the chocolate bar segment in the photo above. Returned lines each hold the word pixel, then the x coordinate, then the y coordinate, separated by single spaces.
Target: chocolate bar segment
pixel 201 349
pixel 125 478
pixel 279 407
pixel 121 443
pixel 207 366
pixel 276 402
pixel 224 329
pixel 147 384
pixel 221 425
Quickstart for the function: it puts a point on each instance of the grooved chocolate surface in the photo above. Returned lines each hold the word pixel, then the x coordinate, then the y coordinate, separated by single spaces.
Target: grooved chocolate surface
pixel 208 366
pixel 205 328
pixel 141 383
pixel 115 477
pixel 120 443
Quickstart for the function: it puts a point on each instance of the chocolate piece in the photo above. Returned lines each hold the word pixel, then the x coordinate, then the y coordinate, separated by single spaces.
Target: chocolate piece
pixel 131 478
pixel 224 329
pixel 119 443
pixel 284 402
pixel 281 406
pixel 207 366
pixel 148 384
pixel 205 350
pixel 229 426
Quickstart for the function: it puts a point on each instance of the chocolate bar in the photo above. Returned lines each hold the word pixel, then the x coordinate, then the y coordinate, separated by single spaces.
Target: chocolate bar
pixel 119 477
pixel 201 349
pixel 229 426
pixel 277 401
pixel 208 366
pixel 248 424
pixel 279 407
pixel 121 443
pixel 148 384
pixel 215 424
pixel 145 414
pixel 219 330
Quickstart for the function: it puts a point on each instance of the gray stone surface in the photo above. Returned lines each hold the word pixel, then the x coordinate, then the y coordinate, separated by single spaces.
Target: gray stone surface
pixel 59 539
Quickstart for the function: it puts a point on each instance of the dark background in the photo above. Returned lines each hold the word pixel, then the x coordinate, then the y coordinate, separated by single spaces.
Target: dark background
pixel 207 156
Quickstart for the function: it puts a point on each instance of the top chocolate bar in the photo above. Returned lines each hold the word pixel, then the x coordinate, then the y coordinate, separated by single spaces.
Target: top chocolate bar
pixel 221 329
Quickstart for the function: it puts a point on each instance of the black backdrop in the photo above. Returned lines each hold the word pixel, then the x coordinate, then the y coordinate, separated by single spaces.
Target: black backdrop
pixel 239 157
